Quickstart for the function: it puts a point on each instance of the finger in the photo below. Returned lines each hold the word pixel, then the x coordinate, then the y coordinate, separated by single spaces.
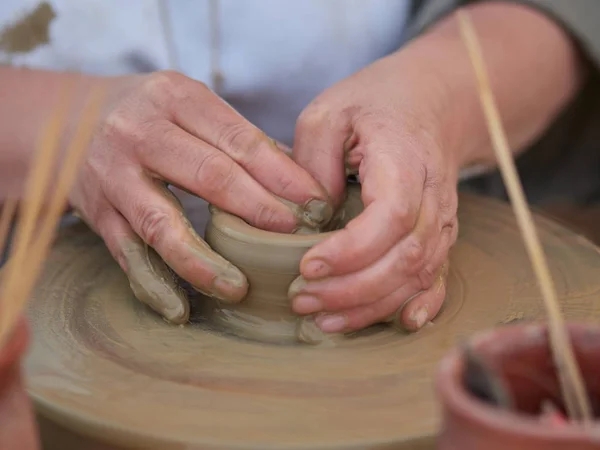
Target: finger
pixel 180 158
pixel 396 267
pixel 392 190
pixel 319 147
pixel 156 218
pixel 150 279
pixel 366 315
pixel 413 312
pixel 425 306
pixel 200 112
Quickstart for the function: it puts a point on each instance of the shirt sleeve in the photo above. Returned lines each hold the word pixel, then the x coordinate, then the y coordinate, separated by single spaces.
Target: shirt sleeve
pixel 579 18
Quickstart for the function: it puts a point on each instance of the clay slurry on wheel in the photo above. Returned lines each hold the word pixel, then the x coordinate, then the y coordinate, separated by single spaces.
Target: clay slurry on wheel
pixel 107 367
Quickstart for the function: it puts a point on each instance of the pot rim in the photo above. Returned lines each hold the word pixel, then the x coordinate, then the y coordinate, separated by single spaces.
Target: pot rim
pixel 240 230
pixel 237 229
pixel 454 397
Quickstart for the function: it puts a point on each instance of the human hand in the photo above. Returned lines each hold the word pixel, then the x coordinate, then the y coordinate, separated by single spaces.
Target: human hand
pixel 166 128
pixel 17 422
pixel 385 123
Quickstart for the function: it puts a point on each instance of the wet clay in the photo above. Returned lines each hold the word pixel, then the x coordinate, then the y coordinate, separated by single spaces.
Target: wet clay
pixel 271 263
pixel 106 368
pixel 155 284
pixel 519 357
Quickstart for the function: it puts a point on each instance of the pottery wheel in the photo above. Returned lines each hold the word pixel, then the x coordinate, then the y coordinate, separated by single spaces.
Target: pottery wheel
pixel 106 366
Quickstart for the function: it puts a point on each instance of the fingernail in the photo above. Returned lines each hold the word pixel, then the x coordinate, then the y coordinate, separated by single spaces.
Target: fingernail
pixel 315 268
pixel 419 317
pixel 176 312
pixel 309 332
pixel 317 212
pixel 234 277
pixel 230 287
pixel 306 304
pixel 296 286
pixel 331 324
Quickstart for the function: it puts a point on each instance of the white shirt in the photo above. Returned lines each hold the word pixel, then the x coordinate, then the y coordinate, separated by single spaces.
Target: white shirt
pixel 275 55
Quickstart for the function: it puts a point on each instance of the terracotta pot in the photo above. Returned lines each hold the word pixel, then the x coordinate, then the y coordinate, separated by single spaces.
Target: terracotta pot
pixel 17 424
pixel 521 357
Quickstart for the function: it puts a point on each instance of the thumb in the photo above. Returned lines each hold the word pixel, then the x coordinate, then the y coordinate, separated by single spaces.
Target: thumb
pixel 319 148
pixel 153 283
pixel 150 279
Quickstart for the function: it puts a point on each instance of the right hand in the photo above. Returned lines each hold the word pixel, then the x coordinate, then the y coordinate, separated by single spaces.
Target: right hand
pixel 166 128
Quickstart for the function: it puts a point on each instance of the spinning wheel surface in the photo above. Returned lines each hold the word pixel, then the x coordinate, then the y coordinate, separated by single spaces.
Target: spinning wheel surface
pixel 106 366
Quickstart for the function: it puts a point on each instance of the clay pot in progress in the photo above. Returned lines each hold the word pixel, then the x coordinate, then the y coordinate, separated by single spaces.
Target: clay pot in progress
pixel 520 359
pixel 271 263
pixel 17 425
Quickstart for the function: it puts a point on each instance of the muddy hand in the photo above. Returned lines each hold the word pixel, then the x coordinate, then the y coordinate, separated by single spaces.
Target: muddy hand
pixel 167 128
pixel 395 249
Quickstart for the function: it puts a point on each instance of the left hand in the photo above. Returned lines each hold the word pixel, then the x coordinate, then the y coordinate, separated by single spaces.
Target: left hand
pixel 387 121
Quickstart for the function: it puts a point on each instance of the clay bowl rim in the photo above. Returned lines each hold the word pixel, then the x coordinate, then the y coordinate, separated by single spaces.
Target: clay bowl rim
pixel 236 228
pixel 452 396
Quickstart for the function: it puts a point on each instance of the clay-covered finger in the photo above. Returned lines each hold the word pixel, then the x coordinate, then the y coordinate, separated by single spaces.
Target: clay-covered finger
pixel 203 114
pixel 319 147
pixel 151 281
pixel 414 259
pixel 392 193
pixel 428 303
pixel 425 306
pixel 308 332
pixel 194 165
pixel 191 164
pixel 155 217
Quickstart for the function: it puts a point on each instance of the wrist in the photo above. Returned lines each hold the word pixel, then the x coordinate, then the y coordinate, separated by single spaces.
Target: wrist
pixel 23 125
pixel 533 66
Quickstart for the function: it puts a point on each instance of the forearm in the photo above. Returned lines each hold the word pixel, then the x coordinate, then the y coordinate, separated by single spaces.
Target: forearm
pixel 28 99
pixel 534 69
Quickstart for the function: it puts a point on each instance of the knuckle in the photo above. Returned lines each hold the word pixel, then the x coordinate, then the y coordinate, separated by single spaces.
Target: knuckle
pixel 118 124
pixel 402 216
pixel 164 87
pixel 121 129
pixel 414 253
pixel 427 276
pixel 241 141
pixel 312 117
pixel 215 175
pixel 265 217
pixel 153 224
